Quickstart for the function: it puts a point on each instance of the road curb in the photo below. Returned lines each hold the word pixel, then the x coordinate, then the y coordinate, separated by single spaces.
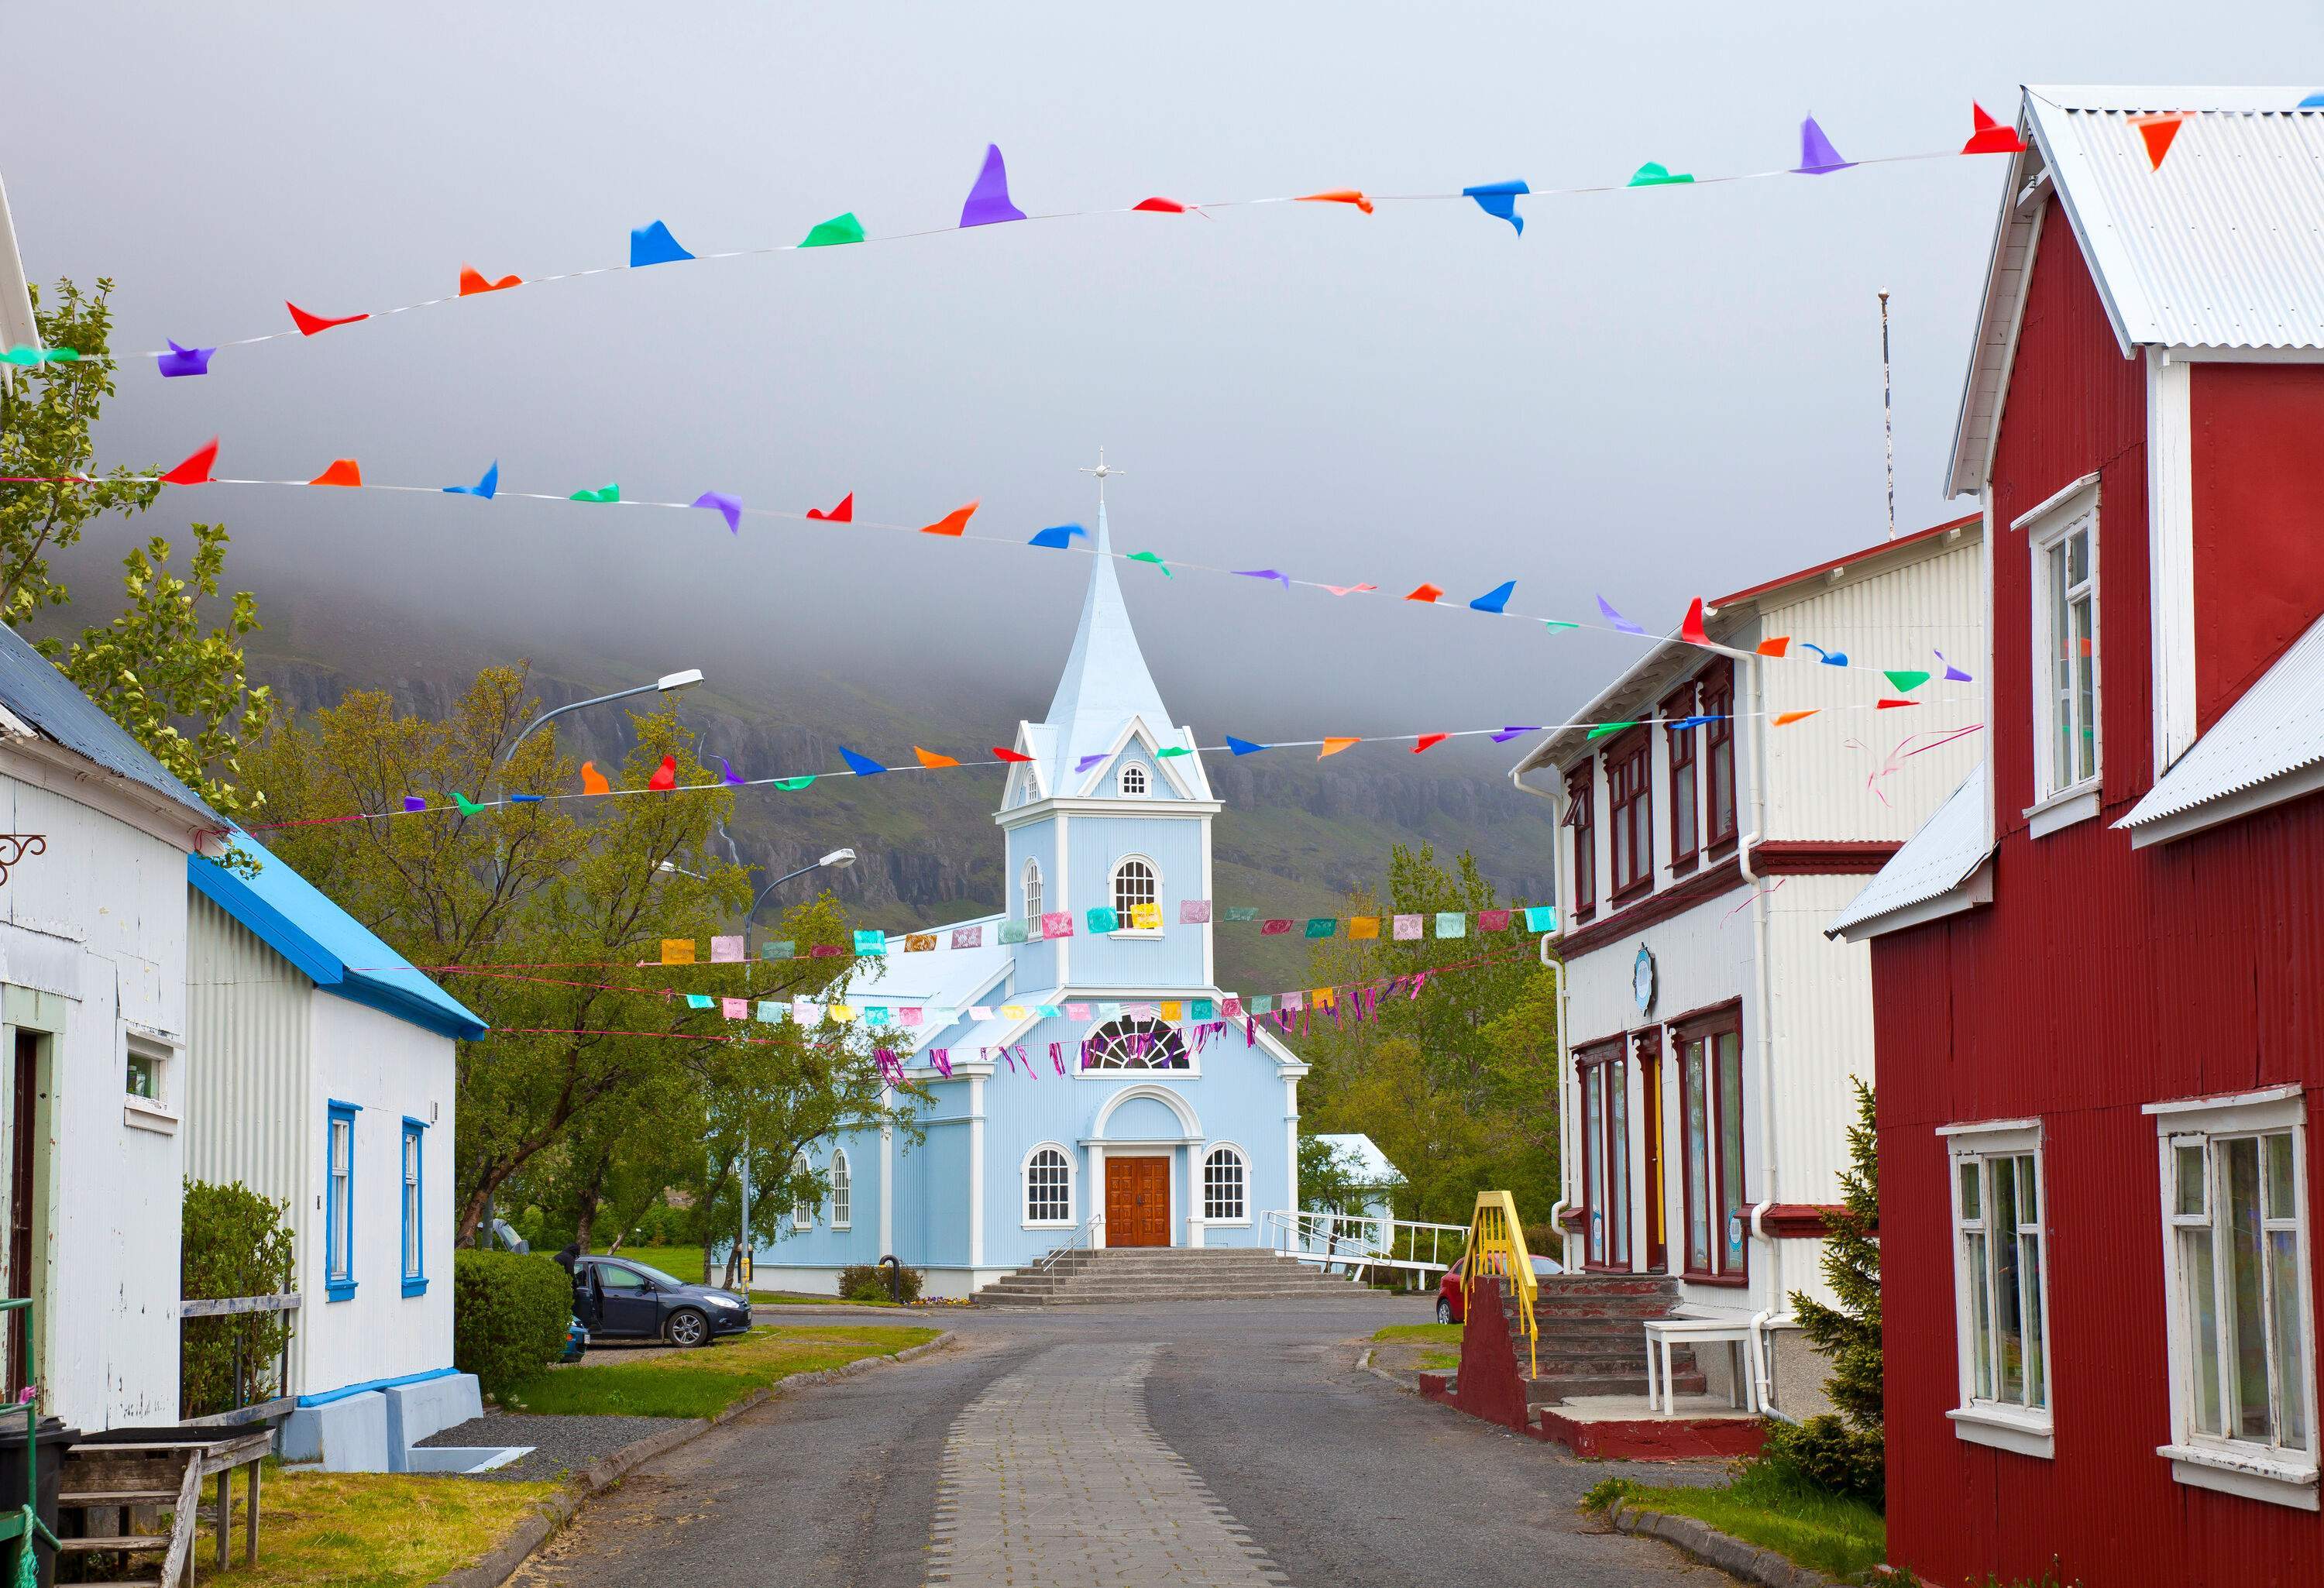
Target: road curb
pixel 500 1563
pixel 1746 1562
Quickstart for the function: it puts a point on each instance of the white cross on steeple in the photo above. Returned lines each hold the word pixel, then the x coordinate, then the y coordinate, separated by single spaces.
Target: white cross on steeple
pixel 1103 472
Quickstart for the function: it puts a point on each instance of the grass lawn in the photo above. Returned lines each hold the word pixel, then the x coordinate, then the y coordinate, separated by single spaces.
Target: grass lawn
pixel 682 1263
pixel 366 1530
pixel 795 1298
pixel 1772 1506
pixel 1430 1334
pixel 702 1382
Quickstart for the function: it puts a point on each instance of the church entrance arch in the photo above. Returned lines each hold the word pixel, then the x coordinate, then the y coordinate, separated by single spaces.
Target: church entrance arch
pixel 1137 1142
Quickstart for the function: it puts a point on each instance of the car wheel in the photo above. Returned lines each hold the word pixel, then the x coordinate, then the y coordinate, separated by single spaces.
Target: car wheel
pixel 1443 1310
pixel 686 1327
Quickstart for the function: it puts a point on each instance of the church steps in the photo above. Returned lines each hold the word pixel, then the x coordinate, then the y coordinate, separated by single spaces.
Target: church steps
pixel 1122 1276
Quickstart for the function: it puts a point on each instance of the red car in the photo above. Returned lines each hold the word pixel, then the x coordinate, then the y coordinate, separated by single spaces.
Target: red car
pixel 1451 1306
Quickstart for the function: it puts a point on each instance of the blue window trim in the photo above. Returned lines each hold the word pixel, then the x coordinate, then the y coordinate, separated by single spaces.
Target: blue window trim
pixel 414 1283
pixel 335 1289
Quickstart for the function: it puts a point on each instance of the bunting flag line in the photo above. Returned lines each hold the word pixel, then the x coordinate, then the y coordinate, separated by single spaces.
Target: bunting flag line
pixel 990 202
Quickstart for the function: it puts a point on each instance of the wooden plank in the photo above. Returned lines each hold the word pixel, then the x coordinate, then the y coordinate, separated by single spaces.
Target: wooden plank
pixel 224 1520
pixel 227 1307
pixel 250 1522
pixel 178 1565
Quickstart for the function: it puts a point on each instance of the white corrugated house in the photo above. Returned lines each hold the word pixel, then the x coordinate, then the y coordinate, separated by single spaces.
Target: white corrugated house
pixel 323 1077
pixel 1710 1028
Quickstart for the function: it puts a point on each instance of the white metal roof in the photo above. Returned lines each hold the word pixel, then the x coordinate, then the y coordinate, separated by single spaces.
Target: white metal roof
pixel 2222 246
pixel 1363 1158
pixel 2276 730
pixel 1939 858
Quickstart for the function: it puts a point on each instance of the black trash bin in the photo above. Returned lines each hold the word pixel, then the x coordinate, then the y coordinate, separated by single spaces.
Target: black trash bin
pixel 49 1444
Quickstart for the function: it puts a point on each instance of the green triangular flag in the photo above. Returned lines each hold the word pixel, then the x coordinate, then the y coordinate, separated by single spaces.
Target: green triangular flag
pixel 1907 681
pixel 831 233
pixel 1174 749
pixel 467 805
pixel 793 785
pixel 62 355
pixel 611 493
pixel 1602 729
pixel 1654 174
pixel 1553 625
pixel 1156 561
pixel 26 357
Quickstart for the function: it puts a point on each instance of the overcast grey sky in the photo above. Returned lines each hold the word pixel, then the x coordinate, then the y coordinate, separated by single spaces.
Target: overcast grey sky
pixel 1651 394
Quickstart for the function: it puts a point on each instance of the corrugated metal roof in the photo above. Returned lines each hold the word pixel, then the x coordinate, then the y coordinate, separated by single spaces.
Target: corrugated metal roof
pixel 1363 1158
pixel 31 687
pixel 2277 727
pixel 2222 245
pixel 1949 846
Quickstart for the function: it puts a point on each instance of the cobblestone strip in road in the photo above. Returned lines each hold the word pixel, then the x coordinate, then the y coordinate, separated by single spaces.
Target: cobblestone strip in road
pixel 1053 1478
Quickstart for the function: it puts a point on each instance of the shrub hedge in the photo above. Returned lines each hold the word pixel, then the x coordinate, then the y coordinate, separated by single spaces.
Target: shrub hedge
pixel 233 1241
pixel 868 1282
pixel 509 1315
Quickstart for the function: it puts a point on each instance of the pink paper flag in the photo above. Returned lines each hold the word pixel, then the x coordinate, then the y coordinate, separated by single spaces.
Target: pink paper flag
pixel 727 951
pixel 735 1008
pixel 1057 923
pixel 1193 912
pixel 1407 927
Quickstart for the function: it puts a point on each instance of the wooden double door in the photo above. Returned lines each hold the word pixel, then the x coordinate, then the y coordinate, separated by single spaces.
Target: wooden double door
pixel 1137 1202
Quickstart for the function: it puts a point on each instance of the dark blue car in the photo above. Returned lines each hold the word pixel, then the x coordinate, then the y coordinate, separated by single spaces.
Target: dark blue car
pixel 617 1298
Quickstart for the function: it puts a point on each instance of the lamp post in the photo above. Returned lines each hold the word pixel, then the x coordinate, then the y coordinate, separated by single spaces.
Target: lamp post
pixel 668 684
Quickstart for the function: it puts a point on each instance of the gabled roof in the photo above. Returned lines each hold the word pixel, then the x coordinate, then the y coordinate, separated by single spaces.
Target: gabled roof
pixel 52 706
pixel 2222 246
pixel 1363 1158
pixel 330 947
pixel 1920 880
pixel 2268 747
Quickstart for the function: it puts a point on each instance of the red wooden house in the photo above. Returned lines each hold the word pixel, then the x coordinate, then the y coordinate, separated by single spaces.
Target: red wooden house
pixel 2098 971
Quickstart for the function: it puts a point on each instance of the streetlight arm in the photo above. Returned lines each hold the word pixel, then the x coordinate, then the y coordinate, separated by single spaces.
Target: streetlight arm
pixel 509 754
pixel 778 881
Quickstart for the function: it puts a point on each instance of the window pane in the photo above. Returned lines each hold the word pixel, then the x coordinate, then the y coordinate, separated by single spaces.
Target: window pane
pixel 1617 1155
pixel 1593 1147
pixel 2085 665
pixel 1969 1198
pixel 1981 1315
pixel 2290 1339
pixel 2247 1287
pixel 2202 1328
pixel 2191 1201
pixel 2037 1388
pixel 2029 1194
pixel 2077 558
pixel 2009 1320
pixel 1698 1162
pixel 1730 1146
pixel 2281 1201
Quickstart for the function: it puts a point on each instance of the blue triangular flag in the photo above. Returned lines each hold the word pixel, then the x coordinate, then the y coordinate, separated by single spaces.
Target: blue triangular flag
pixel 862 766
pixel 1264 573
pixel 2313 102
pixel 729 508
pixel 1817 155
pixel 1499 200
pixel 525 799
pixel 1495 599
pixel 1828 658
pixel 1058 537
pixel 1617 619
pixel 653 245
pixel 1243 746
pixel 487 487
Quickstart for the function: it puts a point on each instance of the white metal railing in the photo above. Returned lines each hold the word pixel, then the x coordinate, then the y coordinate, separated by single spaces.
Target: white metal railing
pixel 1360 1242
pixel 1086 1231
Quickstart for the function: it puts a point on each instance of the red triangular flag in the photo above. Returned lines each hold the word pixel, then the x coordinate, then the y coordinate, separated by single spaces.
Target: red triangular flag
pixel 2158 131
pixel 665 776
pixel 844 513
pixel 308 324
pixel 1692 630
pixel 1000 755
pixel 953 523
pixel 472 282
pixel 195 470
pixel 1425 740
pixel 1886 705
pixel 1988 137
pixel 344 471
pixel 1339 196
pixel 1160 206
pixel 1425 593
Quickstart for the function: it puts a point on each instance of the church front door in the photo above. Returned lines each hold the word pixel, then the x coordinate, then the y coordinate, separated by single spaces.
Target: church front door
pixel 1137 1202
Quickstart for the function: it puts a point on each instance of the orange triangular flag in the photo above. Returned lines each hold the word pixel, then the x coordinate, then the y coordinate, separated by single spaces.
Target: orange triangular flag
pixel 1425 740
pixel 1333 747
pixel 1776 646
pixel 344 471
pixel 665 777
pixel 1692 630
pixel 1339 196
pixel 472 282
pixel 952 524
pixel 1425 593
pixel 2158 131
pixel 932 761
pixel 1784 719
pixel 593 781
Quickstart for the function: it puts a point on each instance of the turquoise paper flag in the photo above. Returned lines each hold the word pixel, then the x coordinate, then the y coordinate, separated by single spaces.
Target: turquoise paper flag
pixel 876 1015
pixel 871 943
pixel 1204 1009
pixel 697 1001
pixel 1322 926
pixel 1012 931
pixel 1047 1011
pixel 785 948
pixel 1102 919
pixel 1260 1003
pixel 1242 912
pixel 772 1012
pixel 1452 923
pixel 1541 918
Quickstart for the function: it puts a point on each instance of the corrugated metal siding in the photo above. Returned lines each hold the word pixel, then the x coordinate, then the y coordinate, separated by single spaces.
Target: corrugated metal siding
pixel 1820 771
pixel 246 1059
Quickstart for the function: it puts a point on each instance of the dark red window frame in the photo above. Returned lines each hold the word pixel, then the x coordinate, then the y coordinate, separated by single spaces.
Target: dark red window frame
pixel 1686 785
pixel 1582 817
pixel 1724 1163
pixel 1719 759
pixel 1631 812
pixel 1607 1149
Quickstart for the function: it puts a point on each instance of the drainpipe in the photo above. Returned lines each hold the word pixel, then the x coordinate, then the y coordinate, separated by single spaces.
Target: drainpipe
pixel 1565 1030
pixel 1765 1025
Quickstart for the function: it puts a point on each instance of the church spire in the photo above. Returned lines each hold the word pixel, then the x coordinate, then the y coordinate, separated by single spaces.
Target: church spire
pixel 1105 682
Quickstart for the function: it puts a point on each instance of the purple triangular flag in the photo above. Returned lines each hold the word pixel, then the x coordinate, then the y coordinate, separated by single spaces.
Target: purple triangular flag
pixel 1953 674
pixel 1264 573
pixel 1087 761
pixel 412 802
pixel 184 360
pixel 728 767
pixel 1817 155
pixel 1507 733
pixel 730 508
pixel 1617 619
pixel 988 201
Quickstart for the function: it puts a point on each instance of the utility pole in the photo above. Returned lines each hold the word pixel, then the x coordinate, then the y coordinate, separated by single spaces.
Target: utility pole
pixel 1887 412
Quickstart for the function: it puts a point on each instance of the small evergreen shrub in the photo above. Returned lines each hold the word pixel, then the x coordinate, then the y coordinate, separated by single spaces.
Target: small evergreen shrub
pixel 1834 1453
pixel 233 1241
pixel 1849 1447
pixel 509 1315
pixel 867 1281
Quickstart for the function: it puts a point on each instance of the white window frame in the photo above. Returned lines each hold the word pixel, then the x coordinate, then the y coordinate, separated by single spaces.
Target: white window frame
pixel 2061 800
pixel 1203 1185
pixel 2275 1473
pixel 1025 1188
pixel 843 1191
pixel 1165 1030
pixel 2005 1424
pixel 1145 782
pixel 155 1112
pixel 1122 929
pixel 1030 887
pixel 802 1209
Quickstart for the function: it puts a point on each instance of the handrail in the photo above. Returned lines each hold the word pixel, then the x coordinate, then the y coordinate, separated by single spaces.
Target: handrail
pixel 1086 1231
pixel 29 1523
pixel 1362 1241
pixel 1497 1244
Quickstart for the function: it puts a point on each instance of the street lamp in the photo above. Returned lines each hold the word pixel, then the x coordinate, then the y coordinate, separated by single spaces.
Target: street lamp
pixel 668 684
pixel 838 860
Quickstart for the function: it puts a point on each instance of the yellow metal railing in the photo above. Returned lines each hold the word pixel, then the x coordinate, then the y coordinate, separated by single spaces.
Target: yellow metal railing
pixel 1496 1246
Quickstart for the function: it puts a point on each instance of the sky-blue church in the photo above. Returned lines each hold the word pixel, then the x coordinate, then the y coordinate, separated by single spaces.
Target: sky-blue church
pixel 1160 1133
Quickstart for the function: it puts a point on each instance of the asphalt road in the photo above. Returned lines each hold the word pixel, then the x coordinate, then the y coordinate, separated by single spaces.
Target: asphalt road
pixel 1196 1443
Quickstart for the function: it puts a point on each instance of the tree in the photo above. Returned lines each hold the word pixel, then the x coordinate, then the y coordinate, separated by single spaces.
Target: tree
pixel 1849 1333
pixel 182 693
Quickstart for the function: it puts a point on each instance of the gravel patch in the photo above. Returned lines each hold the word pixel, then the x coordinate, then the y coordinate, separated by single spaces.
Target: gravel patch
pixel 561 1445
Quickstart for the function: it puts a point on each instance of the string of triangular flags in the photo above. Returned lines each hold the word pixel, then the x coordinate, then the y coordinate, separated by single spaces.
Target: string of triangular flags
pixel 990 203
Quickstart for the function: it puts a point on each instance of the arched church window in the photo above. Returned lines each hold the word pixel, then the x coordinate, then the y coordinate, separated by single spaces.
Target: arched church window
pixel 1133 781
pixel 842 1191
pixel 1032 890
pixel 1048 1187
pixel 1224 1175
pixel 1132 1043
pixel 802 1210
pixel 1134 883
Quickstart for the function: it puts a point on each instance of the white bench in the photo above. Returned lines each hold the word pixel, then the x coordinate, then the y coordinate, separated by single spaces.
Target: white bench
pixel 1662 1333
